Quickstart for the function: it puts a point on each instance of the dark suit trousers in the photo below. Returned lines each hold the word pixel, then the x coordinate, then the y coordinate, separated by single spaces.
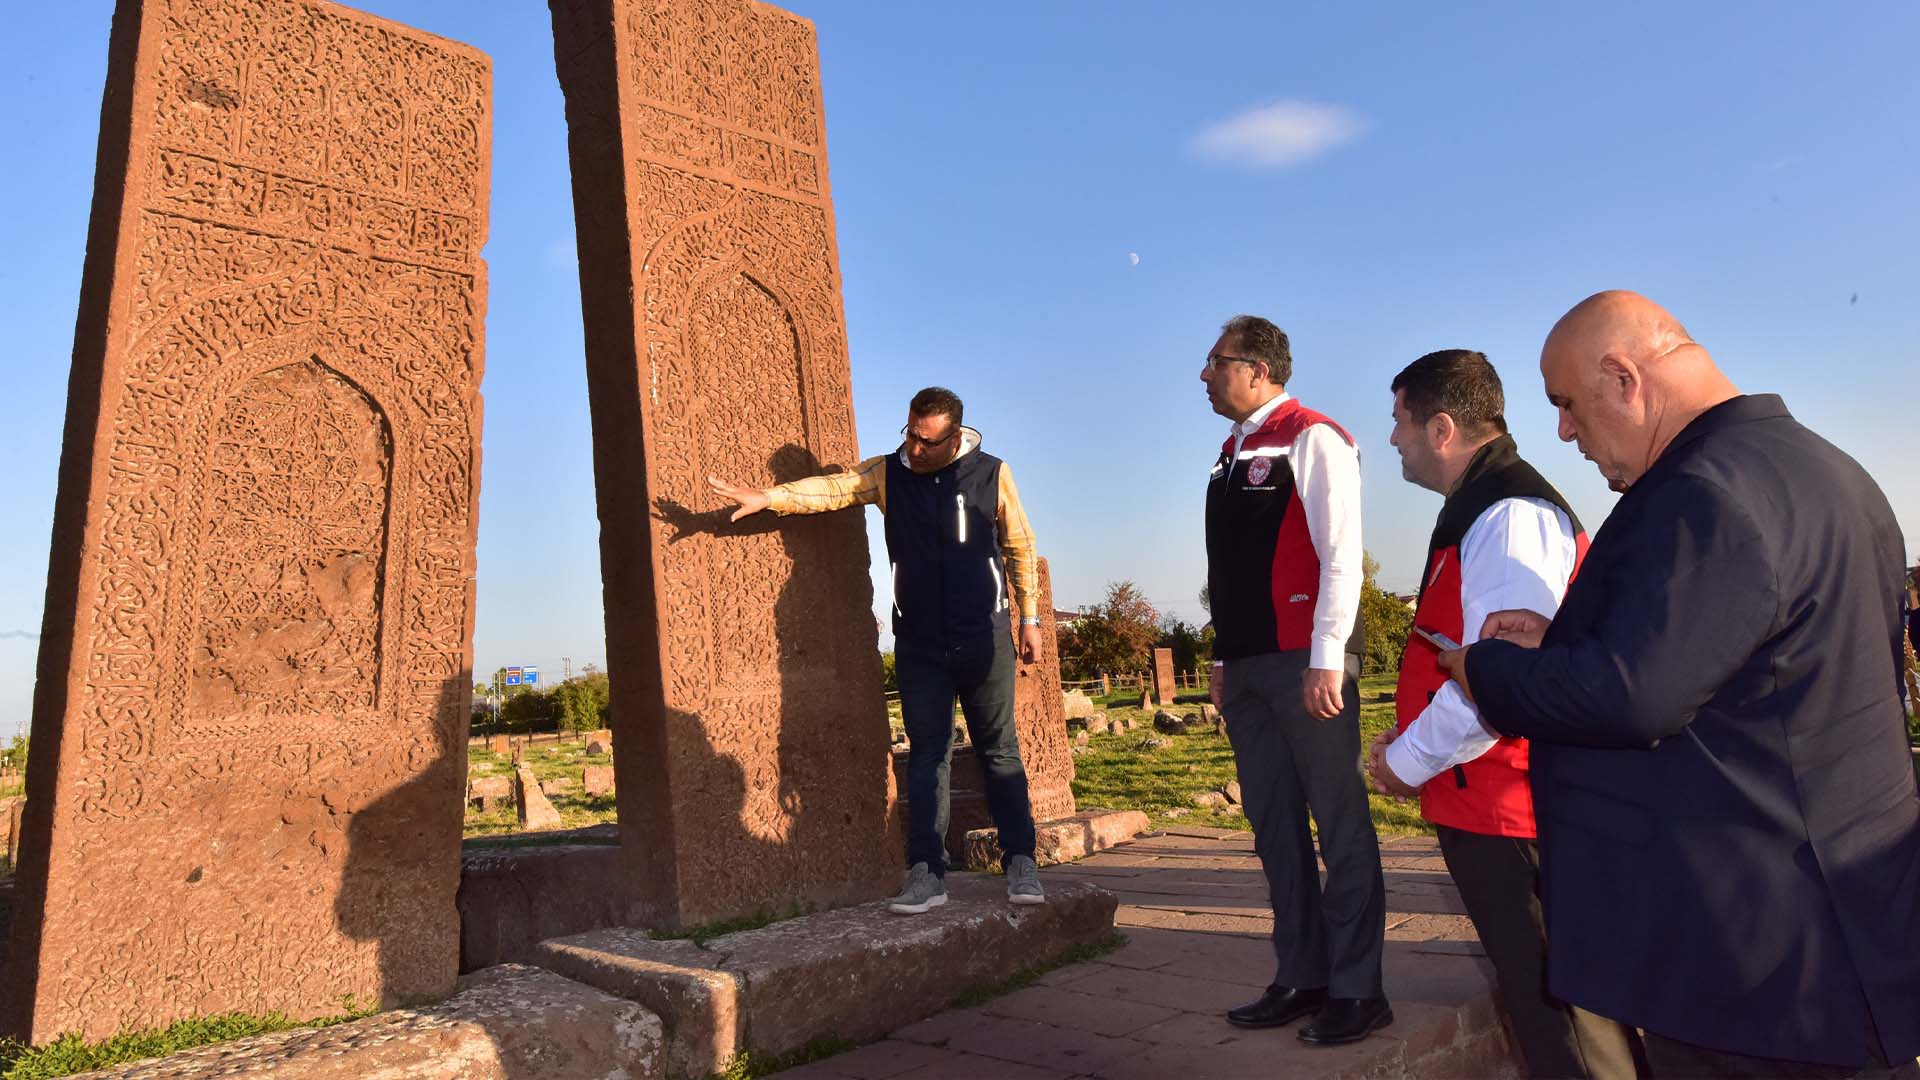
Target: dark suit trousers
pixel 1498 878
pixel 1290 765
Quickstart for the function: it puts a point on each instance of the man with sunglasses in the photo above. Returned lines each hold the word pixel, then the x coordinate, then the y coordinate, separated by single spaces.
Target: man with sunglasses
pixel 956 534
pixel 1284 572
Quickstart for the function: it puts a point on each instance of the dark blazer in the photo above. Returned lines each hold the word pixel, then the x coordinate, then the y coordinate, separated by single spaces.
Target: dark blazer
pixel 1729 828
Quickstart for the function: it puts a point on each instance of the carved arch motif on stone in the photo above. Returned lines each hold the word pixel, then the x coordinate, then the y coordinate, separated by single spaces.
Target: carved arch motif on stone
pixel 697 256
pixel 283 658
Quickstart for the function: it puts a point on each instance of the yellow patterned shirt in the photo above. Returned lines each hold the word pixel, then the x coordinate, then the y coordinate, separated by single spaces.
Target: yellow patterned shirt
pixel 867 483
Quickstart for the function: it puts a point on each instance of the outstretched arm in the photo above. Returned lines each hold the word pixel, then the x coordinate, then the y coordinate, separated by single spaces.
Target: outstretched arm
pixel 811 494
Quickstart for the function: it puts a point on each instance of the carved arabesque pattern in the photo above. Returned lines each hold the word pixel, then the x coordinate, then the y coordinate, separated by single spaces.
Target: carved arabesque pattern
pixel 293 553
pixel 258 797
pixel 1040 718
pixel 766 692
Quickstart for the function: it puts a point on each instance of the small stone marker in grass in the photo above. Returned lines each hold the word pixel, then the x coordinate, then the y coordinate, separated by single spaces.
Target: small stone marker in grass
pixel 535 811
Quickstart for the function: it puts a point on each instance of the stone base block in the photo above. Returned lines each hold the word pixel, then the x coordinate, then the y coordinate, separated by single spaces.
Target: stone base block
pixel 504 1023
pixel 513 898
pixel 855 973
pixel 1058 841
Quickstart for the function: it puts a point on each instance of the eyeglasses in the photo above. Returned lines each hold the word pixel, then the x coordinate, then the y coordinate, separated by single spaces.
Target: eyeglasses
pixel 915 440
pixel 1214 360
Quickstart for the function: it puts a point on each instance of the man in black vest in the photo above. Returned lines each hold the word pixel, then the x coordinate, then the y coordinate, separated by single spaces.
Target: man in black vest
pixel 956 533
pixel 1729 827
pixel 1505 539
pixel 1283 574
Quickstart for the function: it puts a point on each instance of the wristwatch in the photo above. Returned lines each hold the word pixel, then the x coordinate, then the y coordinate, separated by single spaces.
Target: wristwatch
pixel 1029 620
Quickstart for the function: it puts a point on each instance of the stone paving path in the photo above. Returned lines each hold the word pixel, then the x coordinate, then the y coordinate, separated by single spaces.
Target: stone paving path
pixel 1194 906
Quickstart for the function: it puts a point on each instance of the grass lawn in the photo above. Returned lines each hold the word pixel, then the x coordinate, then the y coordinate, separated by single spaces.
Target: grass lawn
pixel 549 761
pixel 1117 772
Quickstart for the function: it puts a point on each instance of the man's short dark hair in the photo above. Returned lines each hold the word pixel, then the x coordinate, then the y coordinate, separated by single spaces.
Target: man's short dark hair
pixel 937 401
pixel 1460 383
pixel 1255 338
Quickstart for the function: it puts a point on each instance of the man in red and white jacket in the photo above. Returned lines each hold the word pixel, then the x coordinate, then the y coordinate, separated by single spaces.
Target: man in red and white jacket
pixel 1505 539
pixel 1283 574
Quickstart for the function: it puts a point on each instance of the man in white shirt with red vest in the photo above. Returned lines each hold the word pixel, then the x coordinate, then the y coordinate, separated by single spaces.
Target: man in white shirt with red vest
pixel 1505 539
pixel 1283 573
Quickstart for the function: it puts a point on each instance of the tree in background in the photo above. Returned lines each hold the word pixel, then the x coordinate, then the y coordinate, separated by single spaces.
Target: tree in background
pixel 583 702
pixel 1191 645
pixel 1116 635
pixel 1388 622
pixel 889 680
pixel 529 710
pixel 15 755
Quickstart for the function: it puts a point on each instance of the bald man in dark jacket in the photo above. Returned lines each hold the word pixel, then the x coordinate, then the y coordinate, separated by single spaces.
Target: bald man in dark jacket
pixel 1729 826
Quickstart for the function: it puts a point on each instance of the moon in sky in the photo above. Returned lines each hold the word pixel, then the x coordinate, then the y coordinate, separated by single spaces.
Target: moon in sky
pixel 1133 258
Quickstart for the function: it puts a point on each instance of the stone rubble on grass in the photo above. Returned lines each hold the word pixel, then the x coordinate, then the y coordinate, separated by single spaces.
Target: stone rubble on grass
pixel 490 792
pixel 535 811
pixel 596 779
pixel 1077 705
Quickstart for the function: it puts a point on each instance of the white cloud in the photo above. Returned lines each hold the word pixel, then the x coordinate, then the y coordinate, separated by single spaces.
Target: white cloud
pixel 1133 258
pixel 1280 135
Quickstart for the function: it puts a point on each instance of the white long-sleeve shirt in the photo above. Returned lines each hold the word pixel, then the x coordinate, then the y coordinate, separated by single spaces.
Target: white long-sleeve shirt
pixel 1519 553
pixel 1326 479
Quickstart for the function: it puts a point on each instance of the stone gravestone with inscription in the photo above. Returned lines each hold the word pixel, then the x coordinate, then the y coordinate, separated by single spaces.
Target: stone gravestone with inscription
pixel 751 755
pixel 254 671
pixel 1164 688
pixel 1040 719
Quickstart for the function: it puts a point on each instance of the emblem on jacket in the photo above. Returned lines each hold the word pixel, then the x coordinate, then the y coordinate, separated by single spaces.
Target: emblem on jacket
pixel 1258 470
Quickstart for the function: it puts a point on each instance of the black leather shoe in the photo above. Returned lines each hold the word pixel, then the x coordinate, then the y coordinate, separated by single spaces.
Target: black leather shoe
pixel 1279 1005
pixel 1345 1020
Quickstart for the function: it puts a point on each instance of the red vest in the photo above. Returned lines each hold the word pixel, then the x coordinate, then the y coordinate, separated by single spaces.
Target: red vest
pixel 1491 794
pixel 1263 573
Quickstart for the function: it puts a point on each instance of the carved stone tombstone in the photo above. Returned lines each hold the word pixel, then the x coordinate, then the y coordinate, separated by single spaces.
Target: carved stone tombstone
pixel 250 719
pixel 1040 719
pixel 751 754
pixel 1163 684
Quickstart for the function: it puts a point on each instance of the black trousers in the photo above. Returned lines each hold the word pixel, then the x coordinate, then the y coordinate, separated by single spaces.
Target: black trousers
pixel 1672 1059
pixel 1290 765
pixel 981 674
pixel 1498 878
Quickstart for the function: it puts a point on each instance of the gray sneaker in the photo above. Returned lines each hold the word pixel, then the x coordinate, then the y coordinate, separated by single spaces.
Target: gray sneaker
pixel 1023 881
pixel 924 890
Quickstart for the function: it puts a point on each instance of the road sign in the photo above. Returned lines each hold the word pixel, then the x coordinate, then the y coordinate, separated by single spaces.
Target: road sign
pixel 530 675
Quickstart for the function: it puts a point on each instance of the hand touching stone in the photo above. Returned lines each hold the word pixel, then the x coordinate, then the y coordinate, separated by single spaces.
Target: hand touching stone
pixel 751 500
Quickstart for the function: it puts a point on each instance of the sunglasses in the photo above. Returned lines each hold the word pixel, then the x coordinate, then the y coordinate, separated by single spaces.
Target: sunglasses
pixel 915 440
pixel 1214 360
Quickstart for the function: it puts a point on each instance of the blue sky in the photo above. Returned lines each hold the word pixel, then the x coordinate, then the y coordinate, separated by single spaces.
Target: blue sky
pixel 1381 182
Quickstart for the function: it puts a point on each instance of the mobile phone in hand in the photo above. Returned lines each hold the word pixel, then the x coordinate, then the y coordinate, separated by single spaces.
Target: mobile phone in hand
pixel 1437 640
